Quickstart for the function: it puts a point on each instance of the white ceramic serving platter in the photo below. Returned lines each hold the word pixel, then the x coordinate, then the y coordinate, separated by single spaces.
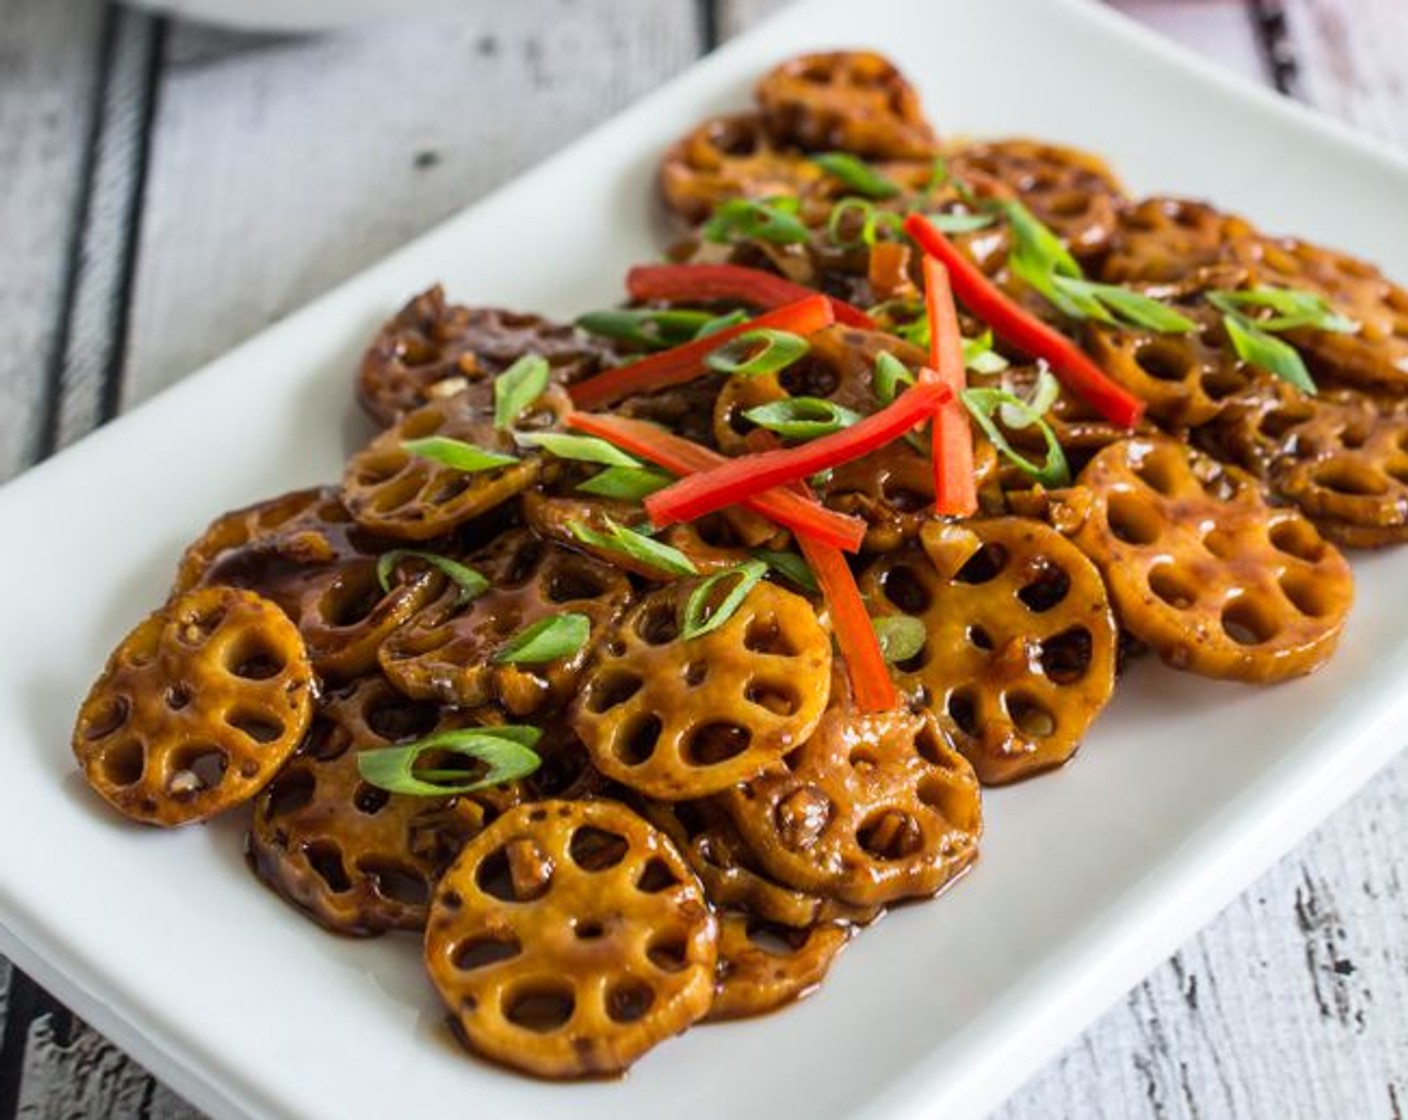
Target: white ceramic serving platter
pixel 1090 876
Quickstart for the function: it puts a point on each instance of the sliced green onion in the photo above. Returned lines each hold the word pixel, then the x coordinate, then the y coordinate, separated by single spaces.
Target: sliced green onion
pixel 657 330
pixel 722 322
pixel 1293 307
pixel 505 751
pixel 857 174
pixel 701 614
pixel 873 220
pixel 980 357
pixel 983 403
pixel 959 222
pixel 630 542
pixel 757 352
pixel 518 387
pixel 901 636
pixel 457 454
pixel 581 449
pixel 802 417
pixel 890 374
pixel 546 640
pixel 627 484
pixel 789 565
pixel 1043 395
pixel 1265 351
pixel 773 220
pixel 1038 256
pixel 1124 305
pixel 471 583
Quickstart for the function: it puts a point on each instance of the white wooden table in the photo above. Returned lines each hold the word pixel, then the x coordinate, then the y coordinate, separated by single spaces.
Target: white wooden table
pixel 167 190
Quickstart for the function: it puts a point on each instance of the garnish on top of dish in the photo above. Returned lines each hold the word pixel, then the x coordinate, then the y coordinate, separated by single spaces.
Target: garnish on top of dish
pixel 641 661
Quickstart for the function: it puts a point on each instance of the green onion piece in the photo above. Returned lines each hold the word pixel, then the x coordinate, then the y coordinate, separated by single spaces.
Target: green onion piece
pixel 518 387
pixel 890 374
pixel 1038 256
pixel 773 220
pixel 980 357
pixel 506 752
pixel 838 216
pixel 636 545
pixel 1126 306
pixel 1293 307
pixel 471 583
pixel 722 322
pixel 546 640
pixel 959 222
pixel 789 565
pixel 701 614
pixel 457 454
pixel 627 484
pixel 1265 351
pixel 802 417
pixel 901 636
pixel 581 449
pixel 1043 396
pixel 657 330
pixel 757 352
pixel 983 403
pixel 856 174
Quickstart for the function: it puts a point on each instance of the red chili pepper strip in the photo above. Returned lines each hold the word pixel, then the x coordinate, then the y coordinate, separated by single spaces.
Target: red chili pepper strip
pixel 684 363
pixel 871 683
pixel 706 282
pixel 799 513
pixel 955 488
pixel 1022 329
pixel 739 479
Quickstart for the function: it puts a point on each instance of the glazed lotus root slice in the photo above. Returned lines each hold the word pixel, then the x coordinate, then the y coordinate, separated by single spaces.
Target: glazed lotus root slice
pixel 763 967
pixel 851 101
pixel 358 859
pixel 569 938
pixel 1163 240
pixel 1020 648
pixel 1073 192
pixel 305 552
pixel 1203 570
pixel 726 158
pixel 871 809
pixel 432 349
pixel 1341 460
pixel 450 651
pixel 678 718
pixel 395 493
pixel 197 708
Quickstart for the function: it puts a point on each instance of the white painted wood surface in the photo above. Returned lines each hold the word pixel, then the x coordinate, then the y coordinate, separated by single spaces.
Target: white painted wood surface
pixel 235 176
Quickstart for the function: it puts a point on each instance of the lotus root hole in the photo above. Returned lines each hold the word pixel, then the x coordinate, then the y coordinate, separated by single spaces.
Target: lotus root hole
pixel 944 797
pixel 480 952
pixel 394 718
pixel 1249 622
pixel 695 673
pixel 1295 537
pixel 776 697
pixel 124 763
pixel 715 742
pixel 1069 204
pixel 1220 544
pixel 931 748
pixel 657 624
pixel 1066 657
pixel 106 717
pixel 289 792
pixel 593 849
pixel 1031 717
pixel 627 1001
pixel 325 858
pixel 904 499
pixel 396 883
pixel 1173 585
pixel 1351 479
pixel 801 816
pixel 396 492
pixel 863 760
pixel 541 1008
pixel 1277 422
pixel 1159 471
pixel 979 638
pixel 890 834
pixel 1164 361
pixel 1133 520
pixel 636 740
pixel 764 635
pixel 450 487
pixel 1305 593
pixel 195 629
pixel 1047 588
pixel 905 590
pixel 656 876
pixel 196 768
pixel 492 877
pixel 177 697
pixel 370 799
pixel 610 689
pixel 251 659
pixel 568 585
pixel 984 565
pixel 588 930
pixel 258 726
pixel 963 711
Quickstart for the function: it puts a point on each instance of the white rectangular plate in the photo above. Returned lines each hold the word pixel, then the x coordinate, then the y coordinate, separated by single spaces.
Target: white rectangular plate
pixel 1185 790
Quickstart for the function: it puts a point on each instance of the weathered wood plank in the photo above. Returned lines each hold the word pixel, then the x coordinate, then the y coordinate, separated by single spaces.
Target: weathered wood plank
pixel 48 74
pixel 267 187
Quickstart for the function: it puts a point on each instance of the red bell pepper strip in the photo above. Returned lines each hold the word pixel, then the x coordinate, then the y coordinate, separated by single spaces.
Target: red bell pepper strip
pixel 955 488
pixel 1018 326
pixel 674 283
pixel 684 363
pixel 744 477
pixel 800 513
pixel 873 687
